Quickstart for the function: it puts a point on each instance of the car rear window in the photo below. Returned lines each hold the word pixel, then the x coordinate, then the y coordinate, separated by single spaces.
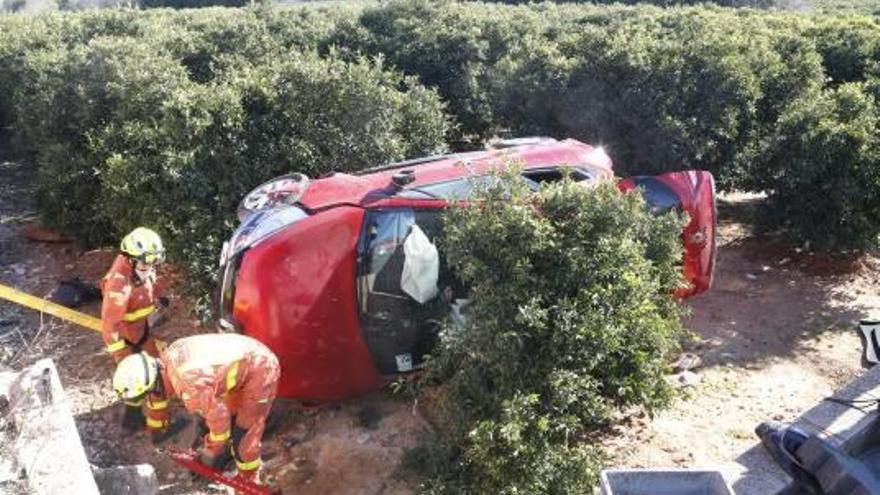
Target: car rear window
pixel 658 195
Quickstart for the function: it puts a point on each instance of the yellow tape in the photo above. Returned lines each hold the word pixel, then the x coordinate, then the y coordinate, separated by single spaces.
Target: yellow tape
pixel 50 308
pixel 157 405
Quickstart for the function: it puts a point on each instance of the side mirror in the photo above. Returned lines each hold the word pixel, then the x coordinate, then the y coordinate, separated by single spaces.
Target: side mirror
pixel 869 332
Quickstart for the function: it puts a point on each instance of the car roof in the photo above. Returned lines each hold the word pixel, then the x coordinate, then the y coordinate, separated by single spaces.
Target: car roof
pixel 530 153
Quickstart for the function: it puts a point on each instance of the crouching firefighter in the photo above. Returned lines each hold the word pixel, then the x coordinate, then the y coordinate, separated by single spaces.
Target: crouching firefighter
pixel 229 380
pixel 131 301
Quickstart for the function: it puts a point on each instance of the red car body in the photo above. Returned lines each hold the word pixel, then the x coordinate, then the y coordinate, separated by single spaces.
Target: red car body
pixel 298 277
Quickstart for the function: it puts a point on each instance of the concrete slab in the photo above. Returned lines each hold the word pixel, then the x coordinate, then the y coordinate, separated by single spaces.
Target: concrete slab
pixel 48 451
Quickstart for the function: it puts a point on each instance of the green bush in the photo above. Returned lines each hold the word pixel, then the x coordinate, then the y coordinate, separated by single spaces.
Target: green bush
pixel 70 96
pixel 849 46
pixel 193 4
pixel 186 166
pixel 571 317
pixel 825 173
pixel 662 89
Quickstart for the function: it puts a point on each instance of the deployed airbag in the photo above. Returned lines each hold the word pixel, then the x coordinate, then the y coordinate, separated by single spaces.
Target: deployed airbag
pixel 421 266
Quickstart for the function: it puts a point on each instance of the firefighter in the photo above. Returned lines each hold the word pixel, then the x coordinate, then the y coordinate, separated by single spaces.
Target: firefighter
pixel 229 380
pixel 130 294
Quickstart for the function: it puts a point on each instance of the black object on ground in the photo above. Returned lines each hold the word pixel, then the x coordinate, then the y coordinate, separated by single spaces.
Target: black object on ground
pixel 869 334
pixel 817 466
pixel 782 441
pixel 74 293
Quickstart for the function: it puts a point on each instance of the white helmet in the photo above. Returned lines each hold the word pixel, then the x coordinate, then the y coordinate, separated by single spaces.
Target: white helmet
pixel 135 376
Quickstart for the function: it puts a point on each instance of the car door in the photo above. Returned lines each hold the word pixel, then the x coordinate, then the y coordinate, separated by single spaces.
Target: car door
pixel 691 191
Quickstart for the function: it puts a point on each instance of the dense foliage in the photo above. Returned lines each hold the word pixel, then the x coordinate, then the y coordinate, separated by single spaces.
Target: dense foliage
pixel 571 317
pixel 119 104
pixel 831 194
pixel 126 133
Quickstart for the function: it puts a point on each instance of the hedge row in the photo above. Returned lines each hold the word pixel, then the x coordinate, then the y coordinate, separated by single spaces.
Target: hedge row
pixel 89 94
pixel 140 128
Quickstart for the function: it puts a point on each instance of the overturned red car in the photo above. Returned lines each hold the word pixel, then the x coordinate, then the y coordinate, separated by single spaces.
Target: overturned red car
pixel 319 271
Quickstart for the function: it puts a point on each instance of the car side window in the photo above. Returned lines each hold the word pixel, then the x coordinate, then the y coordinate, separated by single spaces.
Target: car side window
pixel 660 197
pixel 460 189
pixel 398 330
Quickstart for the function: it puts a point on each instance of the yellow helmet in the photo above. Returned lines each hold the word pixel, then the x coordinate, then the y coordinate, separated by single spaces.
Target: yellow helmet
pixel 135 376
pixel 144 245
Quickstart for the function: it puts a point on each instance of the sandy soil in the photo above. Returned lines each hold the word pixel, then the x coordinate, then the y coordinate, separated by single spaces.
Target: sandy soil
pixel 776 334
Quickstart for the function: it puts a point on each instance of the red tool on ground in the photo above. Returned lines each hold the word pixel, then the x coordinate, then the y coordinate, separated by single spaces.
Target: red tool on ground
pixel 189 460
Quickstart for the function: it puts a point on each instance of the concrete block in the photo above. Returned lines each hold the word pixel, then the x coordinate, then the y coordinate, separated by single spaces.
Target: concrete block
pixel 47 449
pixel 844 424
pixel 139 479
pixel 663 482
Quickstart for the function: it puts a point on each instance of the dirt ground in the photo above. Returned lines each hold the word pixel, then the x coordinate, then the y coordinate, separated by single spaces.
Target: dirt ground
pixel 776 334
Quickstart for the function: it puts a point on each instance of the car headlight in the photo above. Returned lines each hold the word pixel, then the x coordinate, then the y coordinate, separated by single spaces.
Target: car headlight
pixel 259 226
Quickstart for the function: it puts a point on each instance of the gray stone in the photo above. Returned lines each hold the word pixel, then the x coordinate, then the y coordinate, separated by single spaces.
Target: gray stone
pixel 48 448
pixel 139 479
pixel 687 361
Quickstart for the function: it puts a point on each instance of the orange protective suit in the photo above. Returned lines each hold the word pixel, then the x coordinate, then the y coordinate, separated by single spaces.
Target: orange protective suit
pixel 228 379
pixel 128 302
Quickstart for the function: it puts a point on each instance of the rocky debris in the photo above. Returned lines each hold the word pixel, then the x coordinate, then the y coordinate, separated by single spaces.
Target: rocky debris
pixel 18 269
pixel 687 361
pixel 139 479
